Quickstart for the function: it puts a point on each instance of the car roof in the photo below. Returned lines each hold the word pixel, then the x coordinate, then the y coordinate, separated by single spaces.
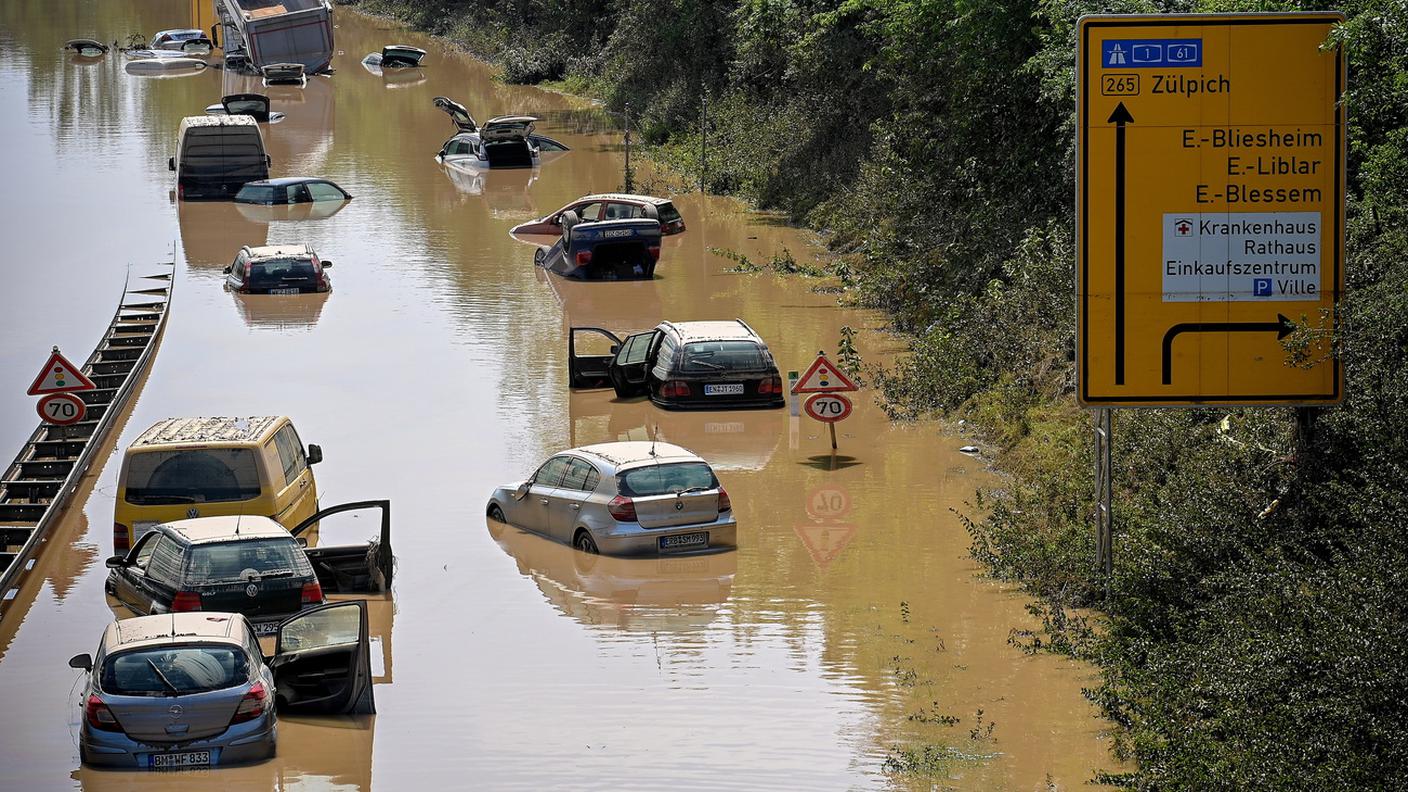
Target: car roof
pixel 650 199
pixel 278 251
pixel 733 330
pixel 171 431
pixel 226 528
pixel 173 628
pixel 219 120
pixel 635 452
pixel 284 181
pixel 174 31
pixel 511 119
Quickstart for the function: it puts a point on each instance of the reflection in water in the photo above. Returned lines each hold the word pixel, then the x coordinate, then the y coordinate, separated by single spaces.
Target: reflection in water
pixel 504 191
pixel 212 232
pixel 312 210
pixel 732 440
pixel 280 311
pixel 654 595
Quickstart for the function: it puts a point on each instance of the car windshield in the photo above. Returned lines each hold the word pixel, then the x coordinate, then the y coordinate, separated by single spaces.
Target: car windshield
pixel 204 475
pixel 705 356
pixel 273 272
pixel 174 670
pixel 251 106
pixel 246 559
pixel 666 479
pixel 256 193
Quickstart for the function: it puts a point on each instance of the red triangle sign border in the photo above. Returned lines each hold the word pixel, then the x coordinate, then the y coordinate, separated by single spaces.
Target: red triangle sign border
pixel 80 381
pixel 843 383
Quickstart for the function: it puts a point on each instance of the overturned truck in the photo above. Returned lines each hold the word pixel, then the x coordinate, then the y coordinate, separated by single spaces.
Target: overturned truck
pixel 261 33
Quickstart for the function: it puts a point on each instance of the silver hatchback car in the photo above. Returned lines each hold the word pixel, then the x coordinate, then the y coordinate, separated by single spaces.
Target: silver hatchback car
pixel 185 690
pixel 631 498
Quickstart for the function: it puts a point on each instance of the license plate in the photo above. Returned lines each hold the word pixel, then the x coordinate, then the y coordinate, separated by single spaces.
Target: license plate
pixel 684 540
pixel 266 628
pixel 728 389
pixel 175 761
pixel 283 291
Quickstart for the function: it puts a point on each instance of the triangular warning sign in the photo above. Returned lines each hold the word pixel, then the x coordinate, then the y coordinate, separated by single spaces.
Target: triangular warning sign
pixel 60 376
pixel 825 542
pixel 823 377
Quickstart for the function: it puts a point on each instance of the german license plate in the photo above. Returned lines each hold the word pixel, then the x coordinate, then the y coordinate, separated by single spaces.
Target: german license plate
pixel 266 628
pixel 176 761
pixel 283 291
pixel 726 389
pixel 682 541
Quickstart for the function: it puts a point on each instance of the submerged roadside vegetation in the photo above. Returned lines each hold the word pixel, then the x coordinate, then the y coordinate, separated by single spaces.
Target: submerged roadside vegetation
pixel 1254 629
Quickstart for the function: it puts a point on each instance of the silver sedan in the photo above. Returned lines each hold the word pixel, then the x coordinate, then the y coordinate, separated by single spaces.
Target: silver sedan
pixel 631 498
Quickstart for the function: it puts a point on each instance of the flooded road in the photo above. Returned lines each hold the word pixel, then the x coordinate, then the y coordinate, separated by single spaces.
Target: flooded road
pixel 840 637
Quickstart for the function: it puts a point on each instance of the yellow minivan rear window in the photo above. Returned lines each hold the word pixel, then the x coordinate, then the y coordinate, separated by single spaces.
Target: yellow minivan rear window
pixel 207 475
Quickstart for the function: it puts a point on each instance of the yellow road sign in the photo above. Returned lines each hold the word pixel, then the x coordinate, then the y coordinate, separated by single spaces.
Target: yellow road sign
pixel 1210 209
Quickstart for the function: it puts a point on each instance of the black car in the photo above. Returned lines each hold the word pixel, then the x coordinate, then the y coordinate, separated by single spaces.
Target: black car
pixel 278 269
pixel 246 564
pixel 705 365
pixel 290 190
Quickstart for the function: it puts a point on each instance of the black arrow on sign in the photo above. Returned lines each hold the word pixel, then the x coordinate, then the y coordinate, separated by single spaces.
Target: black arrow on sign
pixel 1119 118
pixel 1282 327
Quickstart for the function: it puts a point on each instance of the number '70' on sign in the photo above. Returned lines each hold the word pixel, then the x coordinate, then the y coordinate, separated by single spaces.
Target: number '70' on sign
pixel 828 407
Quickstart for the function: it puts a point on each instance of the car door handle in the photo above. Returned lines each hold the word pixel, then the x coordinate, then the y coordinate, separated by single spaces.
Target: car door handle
pixel 543 501
pixel 576 507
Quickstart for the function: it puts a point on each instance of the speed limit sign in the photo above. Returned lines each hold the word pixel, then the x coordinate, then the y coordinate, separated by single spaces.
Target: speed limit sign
pixel 828 407
pixel 62 409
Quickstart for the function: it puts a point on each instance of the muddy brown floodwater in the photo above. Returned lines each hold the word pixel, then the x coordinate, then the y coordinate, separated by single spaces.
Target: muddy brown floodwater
pixel 847 626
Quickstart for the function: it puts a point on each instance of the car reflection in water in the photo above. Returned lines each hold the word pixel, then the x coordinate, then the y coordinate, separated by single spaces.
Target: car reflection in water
pixel 643 595
pixel 212 232
pixel 504 191
pixel 736 440
pixel 282 312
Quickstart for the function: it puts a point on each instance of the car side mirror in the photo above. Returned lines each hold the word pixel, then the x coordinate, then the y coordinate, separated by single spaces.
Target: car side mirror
pixel 315 454
pixel 116 562
pixel 615 348
pixel 327 264
pixel 83 662
pixel 171 163
pixel 228 269
pixel 522 491
pixel 267 161
pixel 302 541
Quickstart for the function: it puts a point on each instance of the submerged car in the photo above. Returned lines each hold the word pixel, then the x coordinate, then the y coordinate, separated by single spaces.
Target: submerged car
pixel 185 40
pixel 284 74
pixel 255 106
pixel 502 142
pixel 246 564
pixel 290 190
pixel 187 690
pixel 628 498
pixel 395 56
pixel 88 48
pixel 707 365
pixel 604 250
pixel 278 269
pixel 607 206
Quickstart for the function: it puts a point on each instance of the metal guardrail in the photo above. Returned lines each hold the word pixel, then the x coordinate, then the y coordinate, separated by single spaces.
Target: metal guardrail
pixel 36 487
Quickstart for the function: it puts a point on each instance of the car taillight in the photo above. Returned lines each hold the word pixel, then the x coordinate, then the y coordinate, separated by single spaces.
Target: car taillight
pixel 654 252
pixel 99 716
pixel 584 257
pixel 622 508
pixel 252 705
pixel 674 389
pixel 769 386
pixel 185 601
pixel 312 593
pixel 724 503
pixel 120 540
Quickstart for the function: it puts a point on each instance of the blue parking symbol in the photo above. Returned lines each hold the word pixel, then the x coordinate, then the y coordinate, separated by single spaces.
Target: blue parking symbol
pixel 1261 287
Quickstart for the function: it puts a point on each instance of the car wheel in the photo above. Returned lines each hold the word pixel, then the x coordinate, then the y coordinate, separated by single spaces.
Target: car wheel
pixel 539 256
pixel 496 514
pixel 585 543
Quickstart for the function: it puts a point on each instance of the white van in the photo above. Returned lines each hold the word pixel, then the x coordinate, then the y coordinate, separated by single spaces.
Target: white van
pixel 216 155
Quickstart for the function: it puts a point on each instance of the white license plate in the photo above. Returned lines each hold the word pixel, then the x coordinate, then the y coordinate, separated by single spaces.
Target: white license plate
pixel 173 761
pixel 283 291
pixel 684 540
pixel 728 389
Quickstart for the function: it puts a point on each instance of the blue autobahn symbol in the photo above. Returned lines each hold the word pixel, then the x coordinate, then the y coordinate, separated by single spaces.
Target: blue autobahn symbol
pixel 1151 53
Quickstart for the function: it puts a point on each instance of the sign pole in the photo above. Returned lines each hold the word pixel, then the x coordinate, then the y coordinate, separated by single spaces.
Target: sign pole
pixel 833 436
pixel 1104 479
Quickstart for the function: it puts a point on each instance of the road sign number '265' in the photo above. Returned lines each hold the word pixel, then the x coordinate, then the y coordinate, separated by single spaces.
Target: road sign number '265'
pixel 828 407
pixel 62 409
pixel 1210 192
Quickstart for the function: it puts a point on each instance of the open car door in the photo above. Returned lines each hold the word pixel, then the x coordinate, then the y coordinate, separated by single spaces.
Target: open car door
pixel 458 113
pixel 631 366
pixel 254 105
pixel 585 369
pixel 322 662
pixel 357 568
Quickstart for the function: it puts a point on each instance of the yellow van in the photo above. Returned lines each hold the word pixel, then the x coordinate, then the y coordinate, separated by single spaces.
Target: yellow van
pixel 182 468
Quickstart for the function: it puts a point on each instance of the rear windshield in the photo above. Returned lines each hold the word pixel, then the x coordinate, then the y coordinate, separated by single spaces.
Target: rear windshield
pixel 206 475
pixel 276 271
pixel 705 356
pixel 668 213
pixel 666 479
pixel 169 670
pixel 256 194
pixel 245 559
pixel 251 106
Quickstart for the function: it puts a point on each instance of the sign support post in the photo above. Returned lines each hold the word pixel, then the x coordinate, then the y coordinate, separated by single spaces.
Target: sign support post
pixel 1104 481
